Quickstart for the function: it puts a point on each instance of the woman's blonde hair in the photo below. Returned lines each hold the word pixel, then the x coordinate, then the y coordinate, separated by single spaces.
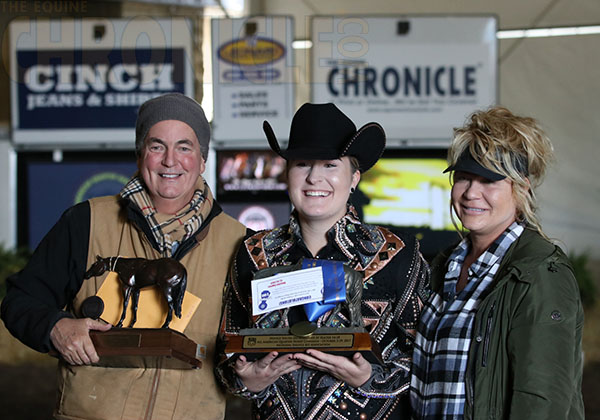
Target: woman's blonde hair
pixel 513 146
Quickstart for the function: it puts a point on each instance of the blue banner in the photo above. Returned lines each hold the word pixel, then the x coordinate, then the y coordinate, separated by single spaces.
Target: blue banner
pixel 334 287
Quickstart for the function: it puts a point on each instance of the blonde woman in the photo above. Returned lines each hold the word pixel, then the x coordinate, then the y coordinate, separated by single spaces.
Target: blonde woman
pixel 500 337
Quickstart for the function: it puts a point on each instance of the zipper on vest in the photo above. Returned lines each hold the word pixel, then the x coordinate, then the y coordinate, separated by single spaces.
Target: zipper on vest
pixel 153 391
pixel 488 333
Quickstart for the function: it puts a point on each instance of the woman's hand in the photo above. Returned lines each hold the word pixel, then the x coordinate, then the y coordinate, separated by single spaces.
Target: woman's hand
pixel 355 371
pixel 258 375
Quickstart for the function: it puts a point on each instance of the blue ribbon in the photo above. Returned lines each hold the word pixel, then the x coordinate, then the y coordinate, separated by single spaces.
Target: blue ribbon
pixel 334 287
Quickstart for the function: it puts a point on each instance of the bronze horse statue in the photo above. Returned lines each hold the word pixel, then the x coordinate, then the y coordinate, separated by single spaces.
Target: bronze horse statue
pixel 137 273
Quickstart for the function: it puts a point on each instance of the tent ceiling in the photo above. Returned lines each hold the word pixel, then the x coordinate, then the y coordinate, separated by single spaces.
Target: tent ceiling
pixel 512 14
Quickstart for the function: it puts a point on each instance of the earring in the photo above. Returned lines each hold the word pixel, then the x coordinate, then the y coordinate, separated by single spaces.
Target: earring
pixel 352 189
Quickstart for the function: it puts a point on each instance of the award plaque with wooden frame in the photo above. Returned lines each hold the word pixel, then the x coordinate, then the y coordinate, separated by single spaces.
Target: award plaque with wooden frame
pixel 149 346
pixel 254 343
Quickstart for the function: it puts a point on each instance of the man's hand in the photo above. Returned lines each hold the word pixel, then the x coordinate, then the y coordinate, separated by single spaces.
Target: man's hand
pixel 354 371
pixel 258 375
pixel 71 338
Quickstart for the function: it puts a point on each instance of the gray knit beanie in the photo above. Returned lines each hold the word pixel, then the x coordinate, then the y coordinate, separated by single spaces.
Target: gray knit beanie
pixel 172 106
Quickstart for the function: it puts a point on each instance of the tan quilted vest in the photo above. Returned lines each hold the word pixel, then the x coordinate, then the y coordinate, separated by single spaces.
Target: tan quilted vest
pixel 115 393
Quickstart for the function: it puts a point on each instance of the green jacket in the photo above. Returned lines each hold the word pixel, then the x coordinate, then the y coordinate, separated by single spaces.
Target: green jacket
pixel 525 360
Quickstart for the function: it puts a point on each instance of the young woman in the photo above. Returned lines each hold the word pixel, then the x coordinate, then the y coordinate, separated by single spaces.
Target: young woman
pixel 500 336
pixel 325 157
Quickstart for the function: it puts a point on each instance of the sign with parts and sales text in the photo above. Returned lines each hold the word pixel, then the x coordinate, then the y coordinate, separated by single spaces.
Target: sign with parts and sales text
pixel 252 77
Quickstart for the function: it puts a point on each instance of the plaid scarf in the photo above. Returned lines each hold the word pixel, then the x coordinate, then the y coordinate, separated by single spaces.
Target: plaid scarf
pixel 170 230
pixel 445 332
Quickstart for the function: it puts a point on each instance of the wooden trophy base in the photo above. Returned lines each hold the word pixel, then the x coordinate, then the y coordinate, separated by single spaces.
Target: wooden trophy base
pixel 147 348
pixel 255 343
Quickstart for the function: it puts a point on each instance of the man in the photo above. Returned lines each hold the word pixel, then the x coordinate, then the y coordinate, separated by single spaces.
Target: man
pixel 166 210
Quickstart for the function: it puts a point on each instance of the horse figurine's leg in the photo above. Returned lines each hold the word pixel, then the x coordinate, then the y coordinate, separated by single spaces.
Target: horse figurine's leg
pixel 169 317
pixel 134 306
pixel 126 294
pixel 169 298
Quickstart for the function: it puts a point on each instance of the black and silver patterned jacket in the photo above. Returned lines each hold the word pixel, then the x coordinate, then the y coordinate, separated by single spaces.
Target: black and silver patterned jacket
pixel 396 282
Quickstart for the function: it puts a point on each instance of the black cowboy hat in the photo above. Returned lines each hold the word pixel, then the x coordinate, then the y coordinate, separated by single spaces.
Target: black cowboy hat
pixel 322 131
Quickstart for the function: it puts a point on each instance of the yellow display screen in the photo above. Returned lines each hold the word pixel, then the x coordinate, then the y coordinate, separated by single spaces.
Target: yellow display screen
pixel 408 191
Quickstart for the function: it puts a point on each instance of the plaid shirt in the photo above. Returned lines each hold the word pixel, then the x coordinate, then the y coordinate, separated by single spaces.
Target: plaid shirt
pixel 445 330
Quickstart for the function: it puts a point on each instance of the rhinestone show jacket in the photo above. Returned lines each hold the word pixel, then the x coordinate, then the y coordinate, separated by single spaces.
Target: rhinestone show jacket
pixel 396 279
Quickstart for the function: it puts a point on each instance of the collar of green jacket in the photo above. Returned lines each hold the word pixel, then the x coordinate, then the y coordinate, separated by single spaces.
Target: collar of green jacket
pixel 522 257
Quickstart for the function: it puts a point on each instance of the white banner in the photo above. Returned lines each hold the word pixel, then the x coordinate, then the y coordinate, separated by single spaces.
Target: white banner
pixel 419 77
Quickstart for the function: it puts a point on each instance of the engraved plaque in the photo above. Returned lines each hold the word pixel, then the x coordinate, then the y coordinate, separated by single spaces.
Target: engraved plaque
pixel 275 342
pixel 255 343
